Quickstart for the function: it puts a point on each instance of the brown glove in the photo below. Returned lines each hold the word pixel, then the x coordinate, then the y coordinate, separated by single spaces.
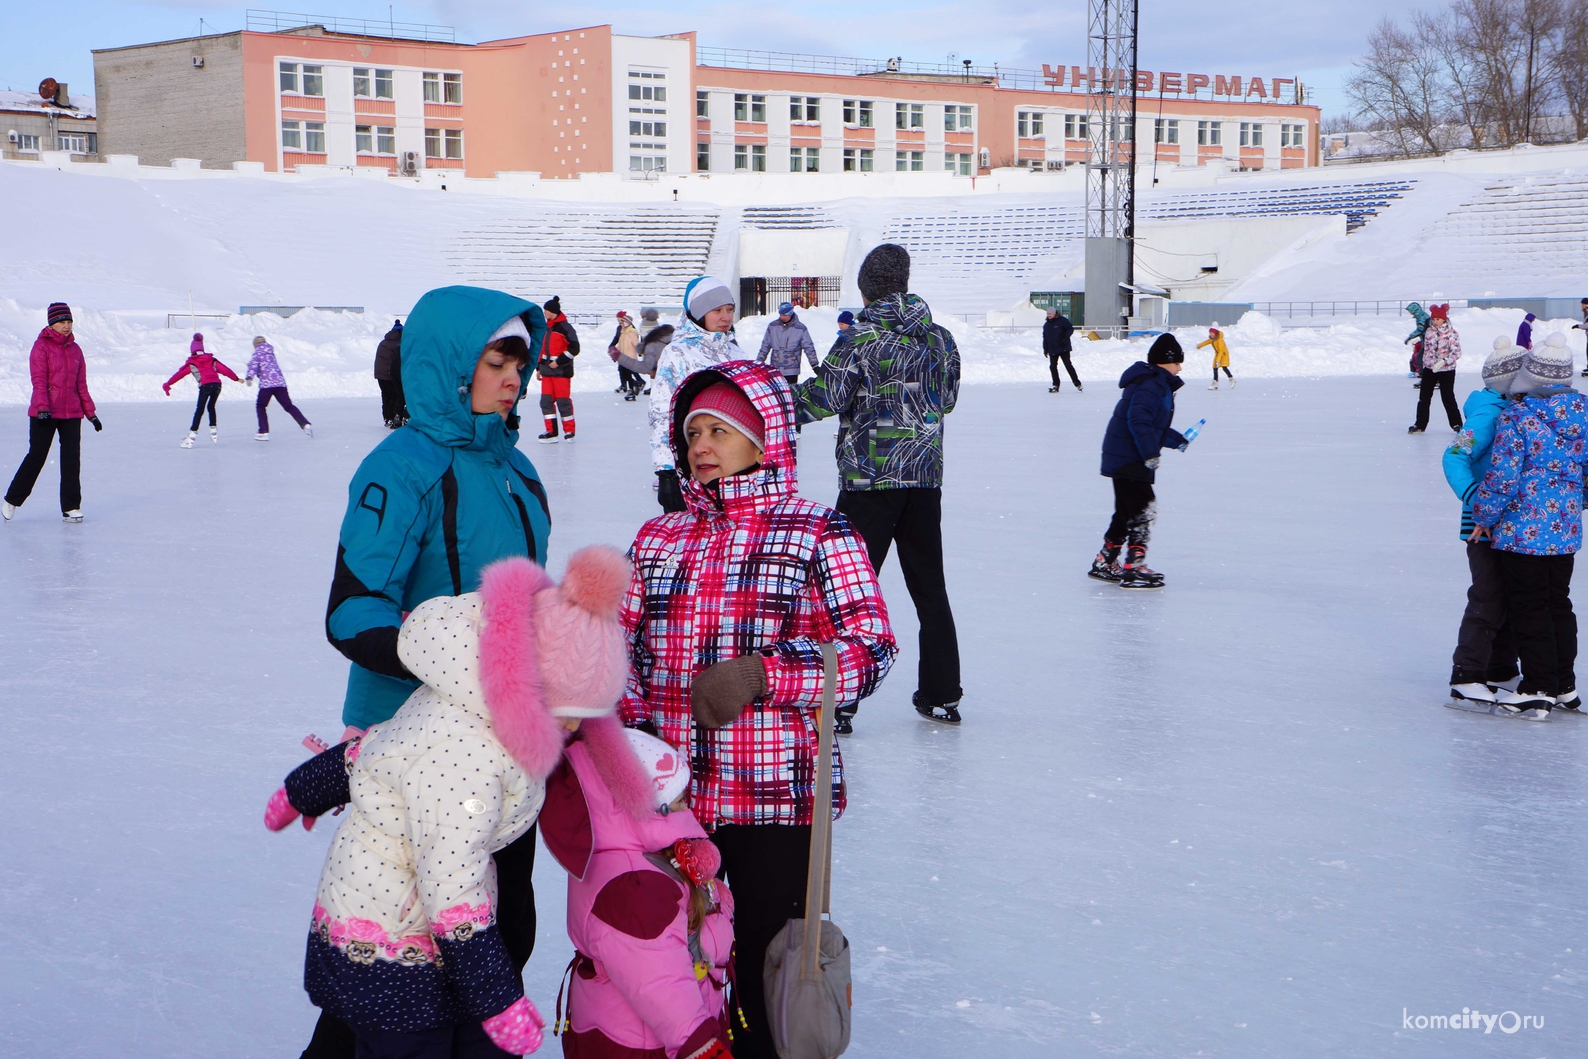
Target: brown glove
pixel 722 692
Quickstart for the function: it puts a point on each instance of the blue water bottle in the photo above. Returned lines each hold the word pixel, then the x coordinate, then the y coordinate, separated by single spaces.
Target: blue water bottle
pixel 1190 434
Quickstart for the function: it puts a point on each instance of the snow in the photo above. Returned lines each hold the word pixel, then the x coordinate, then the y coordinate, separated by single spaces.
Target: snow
pixel 1230 818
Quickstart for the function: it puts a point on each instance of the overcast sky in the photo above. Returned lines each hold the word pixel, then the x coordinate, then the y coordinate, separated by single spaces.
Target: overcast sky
pixel 1269 38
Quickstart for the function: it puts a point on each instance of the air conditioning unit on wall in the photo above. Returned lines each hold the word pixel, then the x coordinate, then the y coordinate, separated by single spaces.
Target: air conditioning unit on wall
pixel 409 166
pixel 986 157
pixel 198 62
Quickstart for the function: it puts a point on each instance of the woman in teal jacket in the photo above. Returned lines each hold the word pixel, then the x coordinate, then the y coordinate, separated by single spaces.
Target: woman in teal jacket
pixel 436 502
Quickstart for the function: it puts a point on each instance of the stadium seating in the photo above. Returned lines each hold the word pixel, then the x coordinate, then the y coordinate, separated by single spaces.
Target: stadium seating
pixel 1360 201
pixel 786 217
pixel 597 260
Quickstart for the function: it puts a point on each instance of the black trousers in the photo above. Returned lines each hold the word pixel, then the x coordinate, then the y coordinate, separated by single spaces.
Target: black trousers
pixel 629 380
pixel 1446 382
pixel 40 431
pixel 1486 643
pixel 208 392
pixel 393 405
pixel 1538 601
pixel 1135 506
pixel 765 866
pixel 515 918
pixel 1053 369
pixel 913 520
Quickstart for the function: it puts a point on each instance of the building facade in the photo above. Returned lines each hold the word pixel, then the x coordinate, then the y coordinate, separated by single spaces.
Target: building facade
pixel 33 125
pixel 594 101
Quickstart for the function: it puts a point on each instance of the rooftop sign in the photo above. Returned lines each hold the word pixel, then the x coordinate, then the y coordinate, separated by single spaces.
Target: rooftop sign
pixel 1219 86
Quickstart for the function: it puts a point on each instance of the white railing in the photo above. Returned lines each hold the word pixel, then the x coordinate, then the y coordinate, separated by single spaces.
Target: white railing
pixel 260 21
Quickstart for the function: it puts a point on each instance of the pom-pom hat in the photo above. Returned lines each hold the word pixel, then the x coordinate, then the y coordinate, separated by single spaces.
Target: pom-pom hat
pixel 1500 367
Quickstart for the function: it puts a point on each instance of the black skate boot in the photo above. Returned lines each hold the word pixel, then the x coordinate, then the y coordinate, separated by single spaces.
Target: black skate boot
pixel 844 720
pixel 1106 566
pixel 1137 574
pixel 941 712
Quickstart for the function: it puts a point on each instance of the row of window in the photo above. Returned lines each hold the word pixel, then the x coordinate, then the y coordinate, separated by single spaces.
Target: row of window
pixel 75 142
pixel 653 92
pixel 752 158
pixel 309 137
pixel 308 79
pixel 861 113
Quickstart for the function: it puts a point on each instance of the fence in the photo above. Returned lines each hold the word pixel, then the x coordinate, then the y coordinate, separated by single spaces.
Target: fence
pixel 260 21
pixel 192 319
pixel 1392 307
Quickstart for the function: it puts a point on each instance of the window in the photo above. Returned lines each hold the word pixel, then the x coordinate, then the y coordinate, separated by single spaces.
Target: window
pixel 858 112
pixel 702 104
pixel 1028 123
pixel 383 84
pixel 703 157
pixel 909 161
pixel 641 90
pixel 385 139
pixel 361 82
pixel 810 163
pixel 804 108
pixel 1251 134
pixel 1290 135
pixel 1165 130
pixel 1209 134
pixel 363 139
pixel 749 107
pixel 29 141
pixel 758 158
pixel 432 143
pixel 452 88
pixel 741 156
pixel 314 137
pixel 432 86
pixel 956 119
pixel 647 163
pixel 959 163
pixel 647 128
pixel 1075 127
pixel 909 115
pixel 859 160
pixel 289 77
pixel 313 80
pixel 292 135
pixel 75 142
pixel 454 143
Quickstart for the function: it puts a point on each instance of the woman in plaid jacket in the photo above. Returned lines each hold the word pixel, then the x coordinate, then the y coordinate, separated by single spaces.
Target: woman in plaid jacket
pixel 730 601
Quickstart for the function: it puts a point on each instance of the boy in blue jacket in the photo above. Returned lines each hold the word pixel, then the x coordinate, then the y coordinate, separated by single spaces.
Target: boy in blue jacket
pixel 1485 657
pixel 1136 435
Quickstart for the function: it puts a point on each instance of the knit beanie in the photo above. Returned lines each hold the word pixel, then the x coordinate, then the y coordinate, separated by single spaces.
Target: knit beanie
pixel 1439 312
pixel 1165 350
pixel 553 305
pixel 59 311
pixel 1501 366
pixel 785 308
pixel 846 317
pixel 728 403
pixel 704 294
pixel 885 271
pixel 197 345
pixel 1545 367
pixel 650 316
pixel 665 767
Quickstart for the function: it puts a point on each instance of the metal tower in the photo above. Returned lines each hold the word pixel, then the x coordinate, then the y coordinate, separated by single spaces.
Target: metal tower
pixel 1110 159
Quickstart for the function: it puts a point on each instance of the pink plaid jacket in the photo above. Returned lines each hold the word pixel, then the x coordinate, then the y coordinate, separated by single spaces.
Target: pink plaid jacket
pixel 752 567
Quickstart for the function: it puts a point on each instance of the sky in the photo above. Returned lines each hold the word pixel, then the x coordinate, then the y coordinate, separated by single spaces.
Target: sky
pixel 1268 38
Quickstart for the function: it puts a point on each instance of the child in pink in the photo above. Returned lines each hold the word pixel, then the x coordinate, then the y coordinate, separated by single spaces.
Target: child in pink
pixel 207 372
pixel 651 923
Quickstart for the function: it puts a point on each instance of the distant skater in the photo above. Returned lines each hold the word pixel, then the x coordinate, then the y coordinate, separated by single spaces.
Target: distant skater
pixel 207 372
pixel 60 404
pixel 556 373
pixel 262 366
pixel 1415 367
pixel 1221 355
pixel 1441 350
pixel 389 377
pixel 1056 346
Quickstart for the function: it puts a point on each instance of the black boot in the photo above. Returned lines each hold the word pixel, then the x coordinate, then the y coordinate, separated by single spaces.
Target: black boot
pixel 1106 566
pixel 1137 574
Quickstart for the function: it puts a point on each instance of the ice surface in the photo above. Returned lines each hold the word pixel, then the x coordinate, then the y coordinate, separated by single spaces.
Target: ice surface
pixel 1230 818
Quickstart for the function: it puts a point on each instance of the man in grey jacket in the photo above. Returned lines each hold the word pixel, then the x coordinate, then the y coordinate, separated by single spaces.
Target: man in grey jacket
pixel 785 339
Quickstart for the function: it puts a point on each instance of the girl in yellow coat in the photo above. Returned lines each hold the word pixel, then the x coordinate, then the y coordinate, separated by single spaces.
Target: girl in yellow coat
pixel 1221 354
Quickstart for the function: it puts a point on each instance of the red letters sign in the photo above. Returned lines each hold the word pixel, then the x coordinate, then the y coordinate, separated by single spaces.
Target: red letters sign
pixel 1219 86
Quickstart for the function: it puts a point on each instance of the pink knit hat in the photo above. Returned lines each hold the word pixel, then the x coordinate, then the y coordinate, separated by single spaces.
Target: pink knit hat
pixel 728 403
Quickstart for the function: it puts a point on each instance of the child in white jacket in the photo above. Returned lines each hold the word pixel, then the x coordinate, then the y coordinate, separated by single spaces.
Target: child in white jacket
pixel 404 946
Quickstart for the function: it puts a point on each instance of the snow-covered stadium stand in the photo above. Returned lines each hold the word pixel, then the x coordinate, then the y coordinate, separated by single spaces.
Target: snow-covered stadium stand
pixel 1359 200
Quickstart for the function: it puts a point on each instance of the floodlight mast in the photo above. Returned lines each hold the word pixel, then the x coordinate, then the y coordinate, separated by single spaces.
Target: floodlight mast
pixel 1110 159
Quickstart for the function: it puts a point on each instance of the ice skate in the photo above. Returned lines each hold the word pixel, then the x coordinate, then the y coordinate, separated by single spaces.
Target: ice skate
pixel 308 429
pixel 1214 385
pixel 1569 701
pixel 7 510
pixel 1232 382
pixel 568 435
pixel 1415 430
pixel 1106 566
pixel 630 397
pixel 1053 389
pixel 74 515
pixel 1527 705
pixel 941 712
pixel 261 437
pixel 1472 692
pixel 215 436
pixel 1141 576
pixel 844 722
pixel 192 436
pixel 550 437
pixel 1504 685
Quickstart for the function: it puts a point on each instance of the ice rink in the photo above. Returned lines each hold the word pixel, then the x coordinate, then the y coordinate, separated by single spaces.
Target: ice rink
pixel 1230 818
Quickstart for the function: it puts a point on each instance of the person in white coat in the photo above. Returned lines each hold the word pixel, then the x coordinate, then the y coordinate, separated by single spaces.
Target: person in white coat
pixel 704 336
pixel 404 946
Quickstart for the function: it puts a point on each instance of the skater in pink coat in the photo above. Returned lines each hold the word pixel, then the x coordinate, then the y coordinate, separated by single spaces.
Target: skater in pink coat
pixel 207 372
pixel 650 922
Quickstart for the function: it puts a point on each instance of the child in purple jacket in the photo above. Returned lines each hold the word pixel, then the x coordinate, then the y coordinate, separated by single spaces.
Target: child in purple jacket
pixel 262 366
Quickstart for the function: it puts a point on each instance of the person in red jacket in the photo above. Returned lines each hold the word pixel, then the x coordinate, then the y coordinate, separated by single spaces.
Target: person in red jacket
pixel 59 406
pixel 207 372
pixel 556 373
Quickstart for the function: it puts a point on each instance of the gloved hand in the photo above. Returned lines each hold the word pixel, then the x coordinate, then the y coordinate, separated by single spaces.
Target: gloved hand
pixel 668 492
pixel 721 693
pixel 166 387
pixel 279 812
pixel 98 426
pixel 44 414
pixel 516 1028
pixel 1152 464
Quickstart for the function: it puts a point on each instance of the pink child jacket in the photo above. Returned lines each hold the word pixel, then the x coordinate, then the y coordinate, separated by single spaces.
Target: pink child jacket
pixel 60 377
pixel 635 989
pixel 203 365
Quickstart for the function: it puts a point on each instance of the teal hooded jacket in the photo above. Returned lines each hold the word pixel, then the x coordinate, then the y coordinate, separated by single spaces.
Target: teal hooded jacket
pixel 437 501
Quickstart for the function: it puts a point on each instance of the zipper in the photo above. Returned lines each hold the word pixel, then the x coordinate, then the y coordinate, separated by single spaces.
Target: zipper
pixel 523 517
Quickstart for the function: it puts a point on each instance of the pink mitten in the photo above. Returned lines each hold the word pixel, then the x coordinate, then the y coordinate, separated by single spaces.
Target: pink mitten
pixel 516 1028
pixel 279 813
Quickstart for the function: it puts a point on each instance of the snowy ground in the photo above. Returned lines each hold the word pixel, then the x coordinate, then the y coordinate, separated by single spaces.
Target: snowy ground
pixel 1227 819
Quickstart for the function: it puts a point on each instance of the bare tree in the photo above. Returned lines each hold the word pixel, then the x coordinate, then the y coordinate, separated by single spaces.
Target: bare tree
pixel 1397 87
pixel 1569 45
pixel 1463 83
pixel 1508 41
